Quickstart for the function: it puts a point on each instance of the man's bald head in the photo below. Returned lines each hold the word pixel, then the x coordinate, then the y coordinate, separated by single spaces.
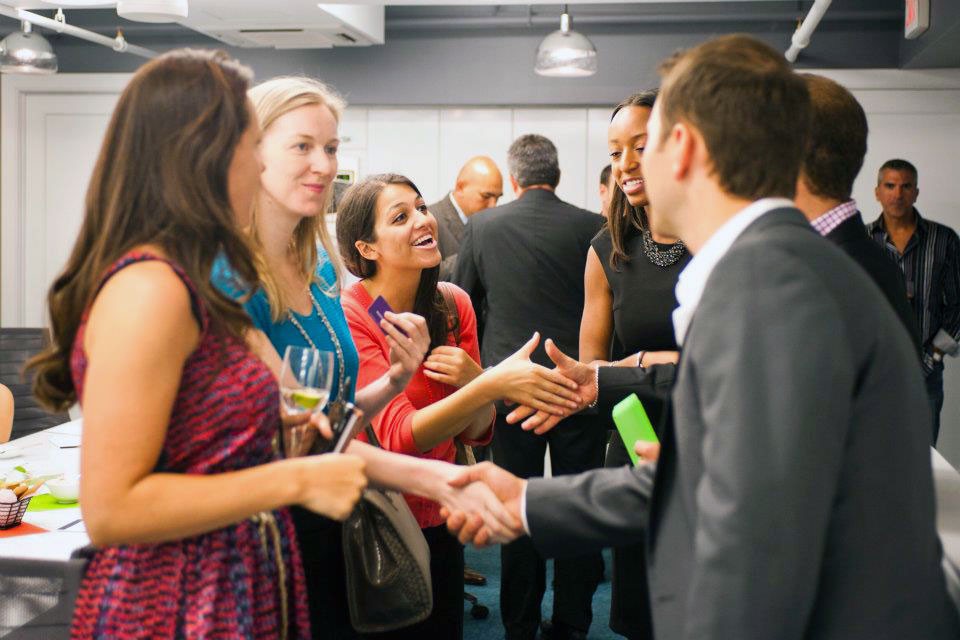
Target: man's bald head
pixel 479 185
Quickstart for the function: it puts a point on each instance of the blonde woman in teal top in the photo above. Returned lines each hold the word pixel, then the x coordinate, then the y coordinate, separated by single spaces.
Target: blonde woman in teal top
pixel 298 302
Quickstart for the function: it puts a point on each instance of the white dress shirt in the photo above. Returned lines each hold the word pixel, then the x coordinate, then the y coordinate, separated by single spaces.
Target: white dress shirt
pixel 456 205
pixel 694 277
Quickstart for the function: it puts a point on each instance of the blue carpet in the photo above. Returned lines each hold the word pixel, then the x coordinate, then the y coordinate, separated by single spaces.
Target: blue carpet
pixel 487 562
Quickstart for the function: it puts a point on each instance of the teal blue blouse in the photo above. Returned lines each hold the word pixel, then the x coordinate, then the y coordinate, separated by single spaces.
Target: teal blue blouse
pixel 283 334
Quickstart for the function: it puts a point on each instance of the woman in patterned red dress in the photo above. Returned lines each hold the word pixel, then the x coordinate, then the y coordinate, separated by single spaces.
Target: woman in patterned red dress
pixel 180 490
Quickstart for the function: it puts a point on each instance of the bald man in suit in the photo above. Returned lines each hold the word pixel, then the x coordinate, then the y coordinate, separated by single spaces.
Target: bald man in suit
pixel 479 186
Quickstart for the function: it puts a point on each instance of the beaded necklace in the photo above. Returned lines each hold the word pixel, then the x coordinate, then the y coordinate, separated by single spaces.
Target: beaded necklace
pixel 658 256
pixel 333 338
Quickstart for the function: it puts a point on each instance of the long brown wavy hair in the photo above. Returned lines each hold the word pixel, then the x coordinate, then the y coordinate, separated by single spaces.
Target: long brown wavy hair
pixel 624 216
pixel 160 179
pixel 356 218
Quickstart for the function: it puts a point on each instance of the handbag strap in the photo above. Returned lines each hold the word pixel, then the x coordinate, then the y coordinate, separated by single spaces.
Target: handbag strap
pixel 372 436
pixel 452 311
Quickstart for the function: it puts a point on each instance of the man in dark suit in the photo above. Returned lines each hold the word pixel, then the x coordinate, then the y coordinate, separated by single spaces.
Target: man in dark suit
pixel 793 495
pixel 522 264
pixel 834 156
pixel 479 186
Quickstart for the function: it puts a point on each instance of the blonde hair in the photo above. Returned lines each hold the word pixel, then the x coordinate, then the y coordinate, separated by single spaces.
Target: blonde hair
pixel 271 100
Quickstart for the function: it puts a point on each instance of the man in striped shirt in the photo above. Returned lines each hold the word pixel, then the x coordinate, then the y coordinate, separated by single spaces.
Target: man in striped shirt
pixel 928 253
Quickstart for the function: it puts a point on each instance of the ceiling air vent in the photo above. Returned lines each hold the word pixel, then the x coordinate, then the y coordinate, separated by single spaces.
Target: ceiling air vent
pixel 287 24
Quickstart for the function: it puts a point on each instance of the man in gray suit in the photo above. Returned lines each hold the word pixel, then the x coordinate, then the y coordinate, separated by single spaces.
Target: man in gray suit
pixel 479 186
pixel 793 495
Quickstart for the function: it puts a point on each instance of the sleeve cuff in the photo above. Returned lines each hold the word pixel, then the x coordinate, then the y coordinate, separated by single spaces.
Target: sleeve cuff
pixel 945 343
pixel 523 509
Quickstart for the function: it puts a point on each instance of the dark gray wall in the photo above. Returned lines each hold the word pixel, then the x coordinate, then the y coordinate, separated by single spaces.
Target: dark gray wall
pixel 940 45
pixel 472 67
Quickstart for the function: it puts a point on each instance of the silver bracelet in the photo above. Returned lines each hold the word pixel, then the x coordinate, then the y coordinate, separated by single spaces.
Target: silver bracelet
pixel 596 386
pixel 640 358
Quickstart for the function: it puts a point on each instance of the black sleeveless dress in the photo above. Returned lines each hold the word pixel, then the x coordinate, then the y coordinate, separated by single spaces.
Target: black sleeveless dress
pixel 643 301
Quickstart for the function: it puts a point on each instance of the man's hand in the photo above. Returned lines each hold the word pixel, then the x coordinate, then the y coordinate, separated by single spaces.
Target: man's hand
pixel 519 381
pixel 507 488
pixel 583 375
pixel 647 452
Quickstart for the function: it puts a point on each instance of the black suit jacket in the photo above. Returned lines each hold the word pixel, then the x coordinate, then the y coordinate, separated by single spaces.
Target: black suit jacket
pixel 522 264
pixel 851 236
pixel 451 229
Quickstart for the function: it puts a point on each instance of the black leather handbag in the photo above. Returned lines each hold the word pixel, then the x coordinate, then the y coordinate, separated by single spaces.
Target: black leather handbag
pixel 387 562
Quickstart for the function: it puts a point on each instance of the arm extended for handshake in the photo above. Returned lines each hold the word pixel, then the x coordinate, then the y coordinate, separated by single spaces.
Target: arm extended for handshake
pixel 589 511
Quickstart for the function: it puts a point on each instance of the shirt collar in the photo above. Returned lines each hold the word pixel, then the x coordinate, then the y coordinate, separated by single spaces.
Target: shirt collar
pixel 463 217
pixel 921 225
pixel 833 218
pixel 693 279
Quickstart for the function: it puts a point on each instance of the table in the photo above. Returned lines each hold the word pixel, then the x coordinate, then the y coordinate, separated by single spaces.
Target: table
pixel 42 455
pixel 947 482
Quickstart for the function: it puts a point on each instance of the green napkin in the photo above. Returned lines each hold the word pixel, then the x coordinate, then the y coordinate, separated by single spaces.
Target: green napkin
pixel 46 502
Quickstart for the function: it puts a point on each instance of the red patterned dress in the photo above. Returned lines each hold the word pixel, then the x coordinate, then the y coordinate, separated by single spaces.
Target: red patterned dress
pixel 242 581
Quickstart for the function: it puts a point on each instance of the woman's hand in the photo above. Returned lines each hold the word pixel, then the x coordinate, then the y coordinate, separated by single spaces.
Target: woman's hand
pixel 451 365
pixel 506 488
pixel 526 383
pixel 651 358
pixel 476 501
pixel 301 430
pixel 583 375
pixel 331 484
pixel 409 339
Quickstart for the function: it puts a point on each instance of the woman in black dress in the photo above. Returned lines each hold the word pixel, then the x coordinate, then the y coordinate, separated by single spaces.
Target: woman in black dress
pixel 630 278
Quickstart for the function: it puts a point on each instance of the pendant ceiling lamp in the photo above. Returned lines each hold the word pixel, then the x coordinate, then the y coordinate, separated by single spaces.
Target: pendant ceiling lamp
pixel 566 53
pixel 152 10
pixel 27 52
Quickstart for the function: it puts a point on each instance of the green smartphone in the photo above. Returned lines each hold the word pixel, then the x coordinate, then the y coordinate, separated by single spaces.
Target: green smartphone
pixel 633 424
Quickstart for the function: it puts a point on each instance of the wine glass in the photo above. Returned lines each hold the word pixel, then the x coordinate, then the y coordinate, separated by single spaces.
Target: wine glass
pixel 306 378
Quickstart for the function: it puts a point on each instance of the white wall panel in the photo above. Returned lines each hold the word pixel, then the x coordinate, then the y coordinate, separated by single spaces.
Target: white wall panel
pixel 406 141
pixel 353 128
pixel 52 131
pixel 567 129
pixel 58 173
pixel 597 155
pixel 465 133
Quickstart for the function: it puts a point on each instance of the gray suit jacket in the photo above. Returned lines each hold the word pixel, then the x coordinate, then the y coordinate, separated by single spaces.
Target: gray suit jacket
pixel 451 232
pixel 794 497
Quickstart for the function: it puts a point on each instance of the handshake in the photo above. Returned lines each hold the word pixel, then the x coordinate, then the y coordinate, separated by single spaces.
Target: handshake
pixel 485 502
pixel 489 502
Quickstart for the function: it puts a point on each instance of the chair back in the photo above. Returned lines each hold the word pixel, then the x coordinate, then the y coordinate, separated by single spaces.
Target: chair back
pixel 37 597
pixel 17 345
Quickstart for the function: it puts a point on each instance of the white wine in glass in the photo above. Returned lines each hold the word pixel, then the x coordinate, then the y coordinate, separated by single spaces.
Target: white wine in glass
pixel 306 378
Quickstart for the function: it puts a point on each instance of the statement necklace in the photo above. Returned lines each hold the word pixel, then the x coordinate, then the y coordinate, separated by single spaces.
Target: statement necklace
pixel 341 382
pixel 658 256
